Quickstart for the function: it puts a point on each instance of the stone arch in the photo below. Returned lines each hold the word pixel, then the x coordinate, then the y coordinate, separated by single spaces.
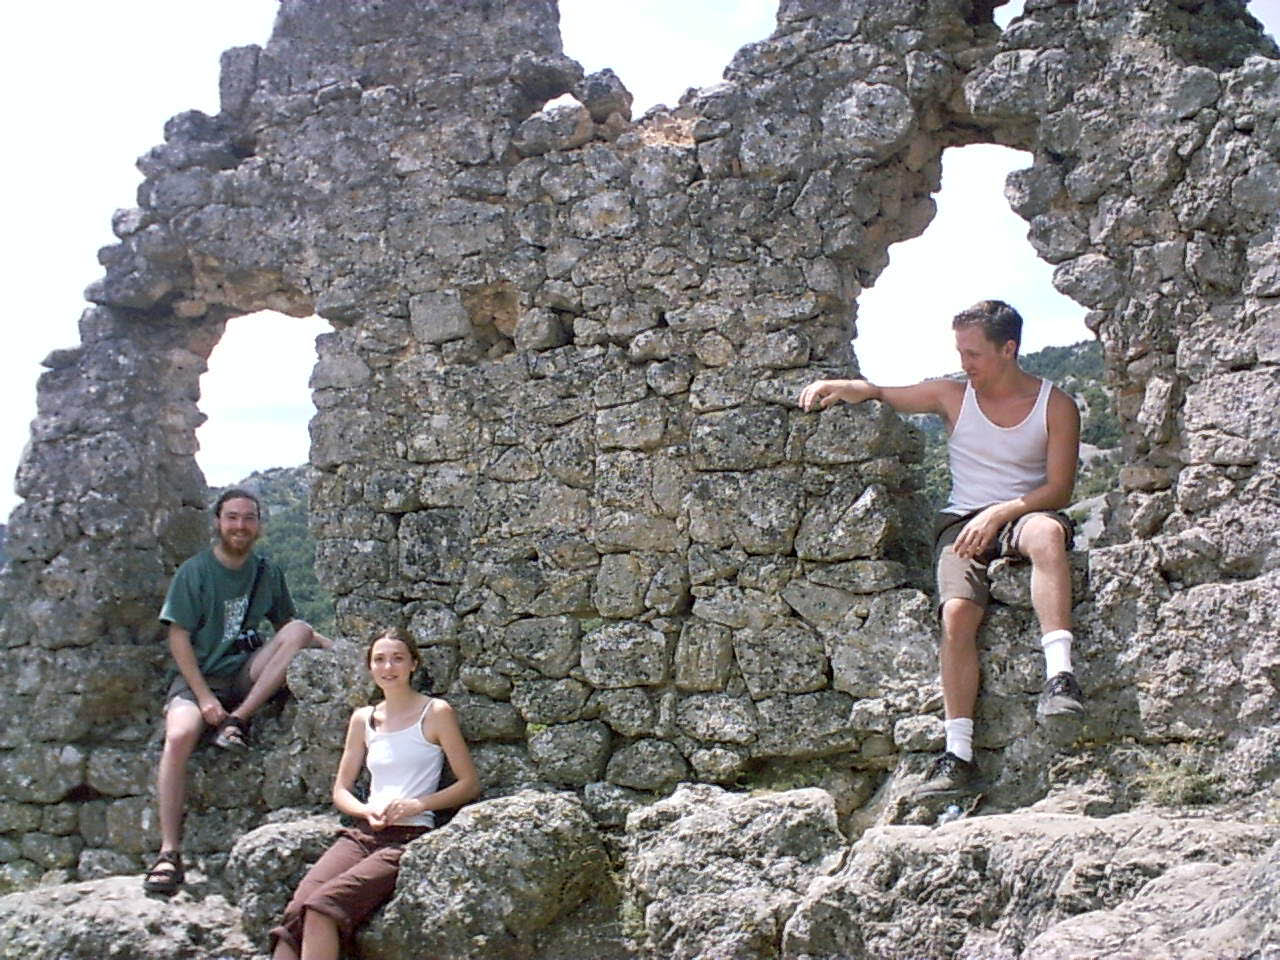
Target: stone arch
pixel 974 247
pixel 556 426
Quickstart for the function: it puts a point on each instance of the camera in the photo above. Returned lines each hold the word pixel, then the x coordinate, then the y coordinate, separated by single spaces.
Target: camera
pixel 248 641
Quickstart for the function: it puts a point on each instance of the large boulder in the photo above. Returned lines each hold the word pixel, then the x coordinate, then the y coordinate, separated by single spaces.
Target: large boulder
pixel 492 882
pixel 1193 910
pixel 266 865
pixel 113 919
pixel 716 874
pixel 990 886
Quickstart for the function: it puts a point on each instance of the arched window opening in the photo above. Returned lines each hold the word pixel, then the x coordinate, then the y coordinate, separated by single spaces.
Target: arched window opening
pixel 1002 15
pixel 976 249
pixel 148 60
pixel 256 397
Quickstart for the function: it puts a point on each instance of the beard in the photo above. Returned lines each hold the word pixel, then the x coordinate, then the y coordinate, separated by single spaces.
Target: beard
pixel 237 544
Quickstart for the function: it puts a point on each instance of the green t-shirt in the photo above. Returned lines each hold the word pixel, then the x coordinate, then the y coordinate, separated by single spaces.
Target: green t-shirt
pixel 208 600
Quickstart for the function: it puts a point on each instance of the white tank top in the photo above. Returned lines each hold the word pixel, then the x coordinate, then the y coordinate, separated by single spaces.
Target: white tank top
pixel 989 463
pixel 402 763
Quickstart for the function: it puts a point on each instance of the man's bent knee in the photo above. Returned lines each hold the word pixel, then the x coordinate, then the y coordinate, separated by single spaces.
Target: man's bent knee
pixel 294 636
pixel 1042 538
pixel 296 633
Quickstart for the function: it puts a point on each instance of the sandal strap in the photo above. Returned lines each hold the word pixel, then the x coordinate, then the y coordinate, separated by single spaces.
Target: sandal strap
pixel 166 863
pixel 236 726
pixel 233 734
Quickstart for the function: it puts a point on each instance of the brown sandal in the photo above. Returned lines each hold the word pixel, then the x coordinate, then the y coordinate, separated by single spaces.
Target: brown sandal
pixel 233 734
pixel 166 874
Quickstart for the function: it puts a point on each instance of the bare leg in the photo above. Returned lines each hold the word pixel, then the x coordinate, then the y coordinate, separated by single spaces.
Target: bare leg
pixel 959 656
pixel 283 952
pixel 182 726
pixel 1042 541
pixel 269 665
pixel 319 937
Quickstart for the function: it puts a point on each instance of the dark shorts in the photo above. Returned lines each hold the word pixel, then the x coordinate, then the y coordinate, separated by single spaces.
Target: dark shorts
pixel 229 690
pixel 353 878
pixel 966 579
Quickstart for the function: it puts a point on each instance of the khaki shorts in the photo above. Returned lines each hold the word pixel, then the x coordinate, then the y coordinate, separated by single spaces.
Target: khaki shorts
pixel 966 579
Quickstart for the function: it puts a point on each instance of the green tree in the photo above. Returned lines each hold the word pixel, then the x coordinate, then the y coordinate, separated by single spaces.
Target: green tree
pixel 1100 427
pixel 934 471
pixel 1078 369
pixel 286 539
pixel 1080 361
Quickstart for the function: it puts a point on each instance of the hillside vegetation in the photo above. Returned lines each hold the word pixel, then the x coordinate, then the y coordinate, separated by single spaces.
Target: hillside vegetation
pixel 287 540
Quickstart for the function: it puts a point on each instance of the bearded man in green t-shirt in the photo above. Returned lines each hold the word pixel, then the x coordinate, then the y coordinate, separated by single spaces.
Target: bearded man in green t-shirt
pixel 226 671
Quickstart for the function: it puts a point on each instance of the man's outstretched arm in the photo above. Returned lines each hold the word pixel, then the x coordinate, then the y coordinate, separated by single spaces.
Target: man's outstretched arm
pixel 930 396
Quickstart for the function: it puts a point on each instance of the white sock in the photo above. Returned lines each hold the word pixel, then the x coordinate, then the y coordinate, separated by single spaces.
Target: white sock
pixel 960 737
pixel 1057 652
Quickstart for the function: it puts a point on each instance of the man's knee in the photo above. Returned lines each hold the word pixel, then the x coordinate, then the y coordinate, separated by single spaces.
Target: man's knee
pixel 1042 539
pixel 960 620
pixel 182 728
pixel 295 635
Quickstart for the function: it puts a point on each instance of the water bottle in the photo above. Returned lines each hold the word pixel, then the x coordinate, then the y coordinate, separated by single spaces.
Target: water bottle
pixel 951 813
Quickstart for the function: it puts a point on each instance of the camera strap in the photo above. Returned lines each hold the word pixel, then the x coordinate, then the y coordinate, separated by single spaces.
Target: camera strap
pixel 253 592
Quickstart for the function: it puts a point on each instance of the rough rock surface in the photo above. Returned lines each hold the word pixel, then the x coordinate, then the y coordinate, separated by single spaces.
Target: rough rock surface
pixel 998 886
pixel 112 919
pixel 492 882
pixel 266 865
pixel 717 874
pixel 556 431
pixel 1196 910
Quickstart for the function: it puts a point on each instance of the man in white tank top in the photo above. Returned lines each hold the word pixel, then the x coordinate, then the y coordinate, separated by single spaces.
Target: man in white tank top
pixel 1013 442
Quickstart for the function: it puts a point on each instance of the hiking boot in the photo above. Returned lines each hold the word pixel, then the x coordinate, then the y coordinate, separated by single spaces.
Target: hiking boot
pixel 1061 697
pixel 948 774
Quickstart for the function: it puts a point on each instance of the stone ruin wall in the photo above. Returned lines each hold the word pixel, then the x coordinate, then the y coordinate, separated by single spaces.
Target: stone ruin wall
pixel 556 426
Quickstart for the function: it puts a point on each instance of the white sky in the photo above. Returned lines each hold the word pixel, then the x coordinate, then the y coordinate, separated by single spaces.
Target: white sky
pixel 91 84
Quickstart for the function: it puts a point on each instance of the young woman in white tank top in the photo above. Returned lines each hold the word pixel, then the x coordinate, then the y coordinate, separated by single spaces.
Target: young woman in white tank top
pixel 404 741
